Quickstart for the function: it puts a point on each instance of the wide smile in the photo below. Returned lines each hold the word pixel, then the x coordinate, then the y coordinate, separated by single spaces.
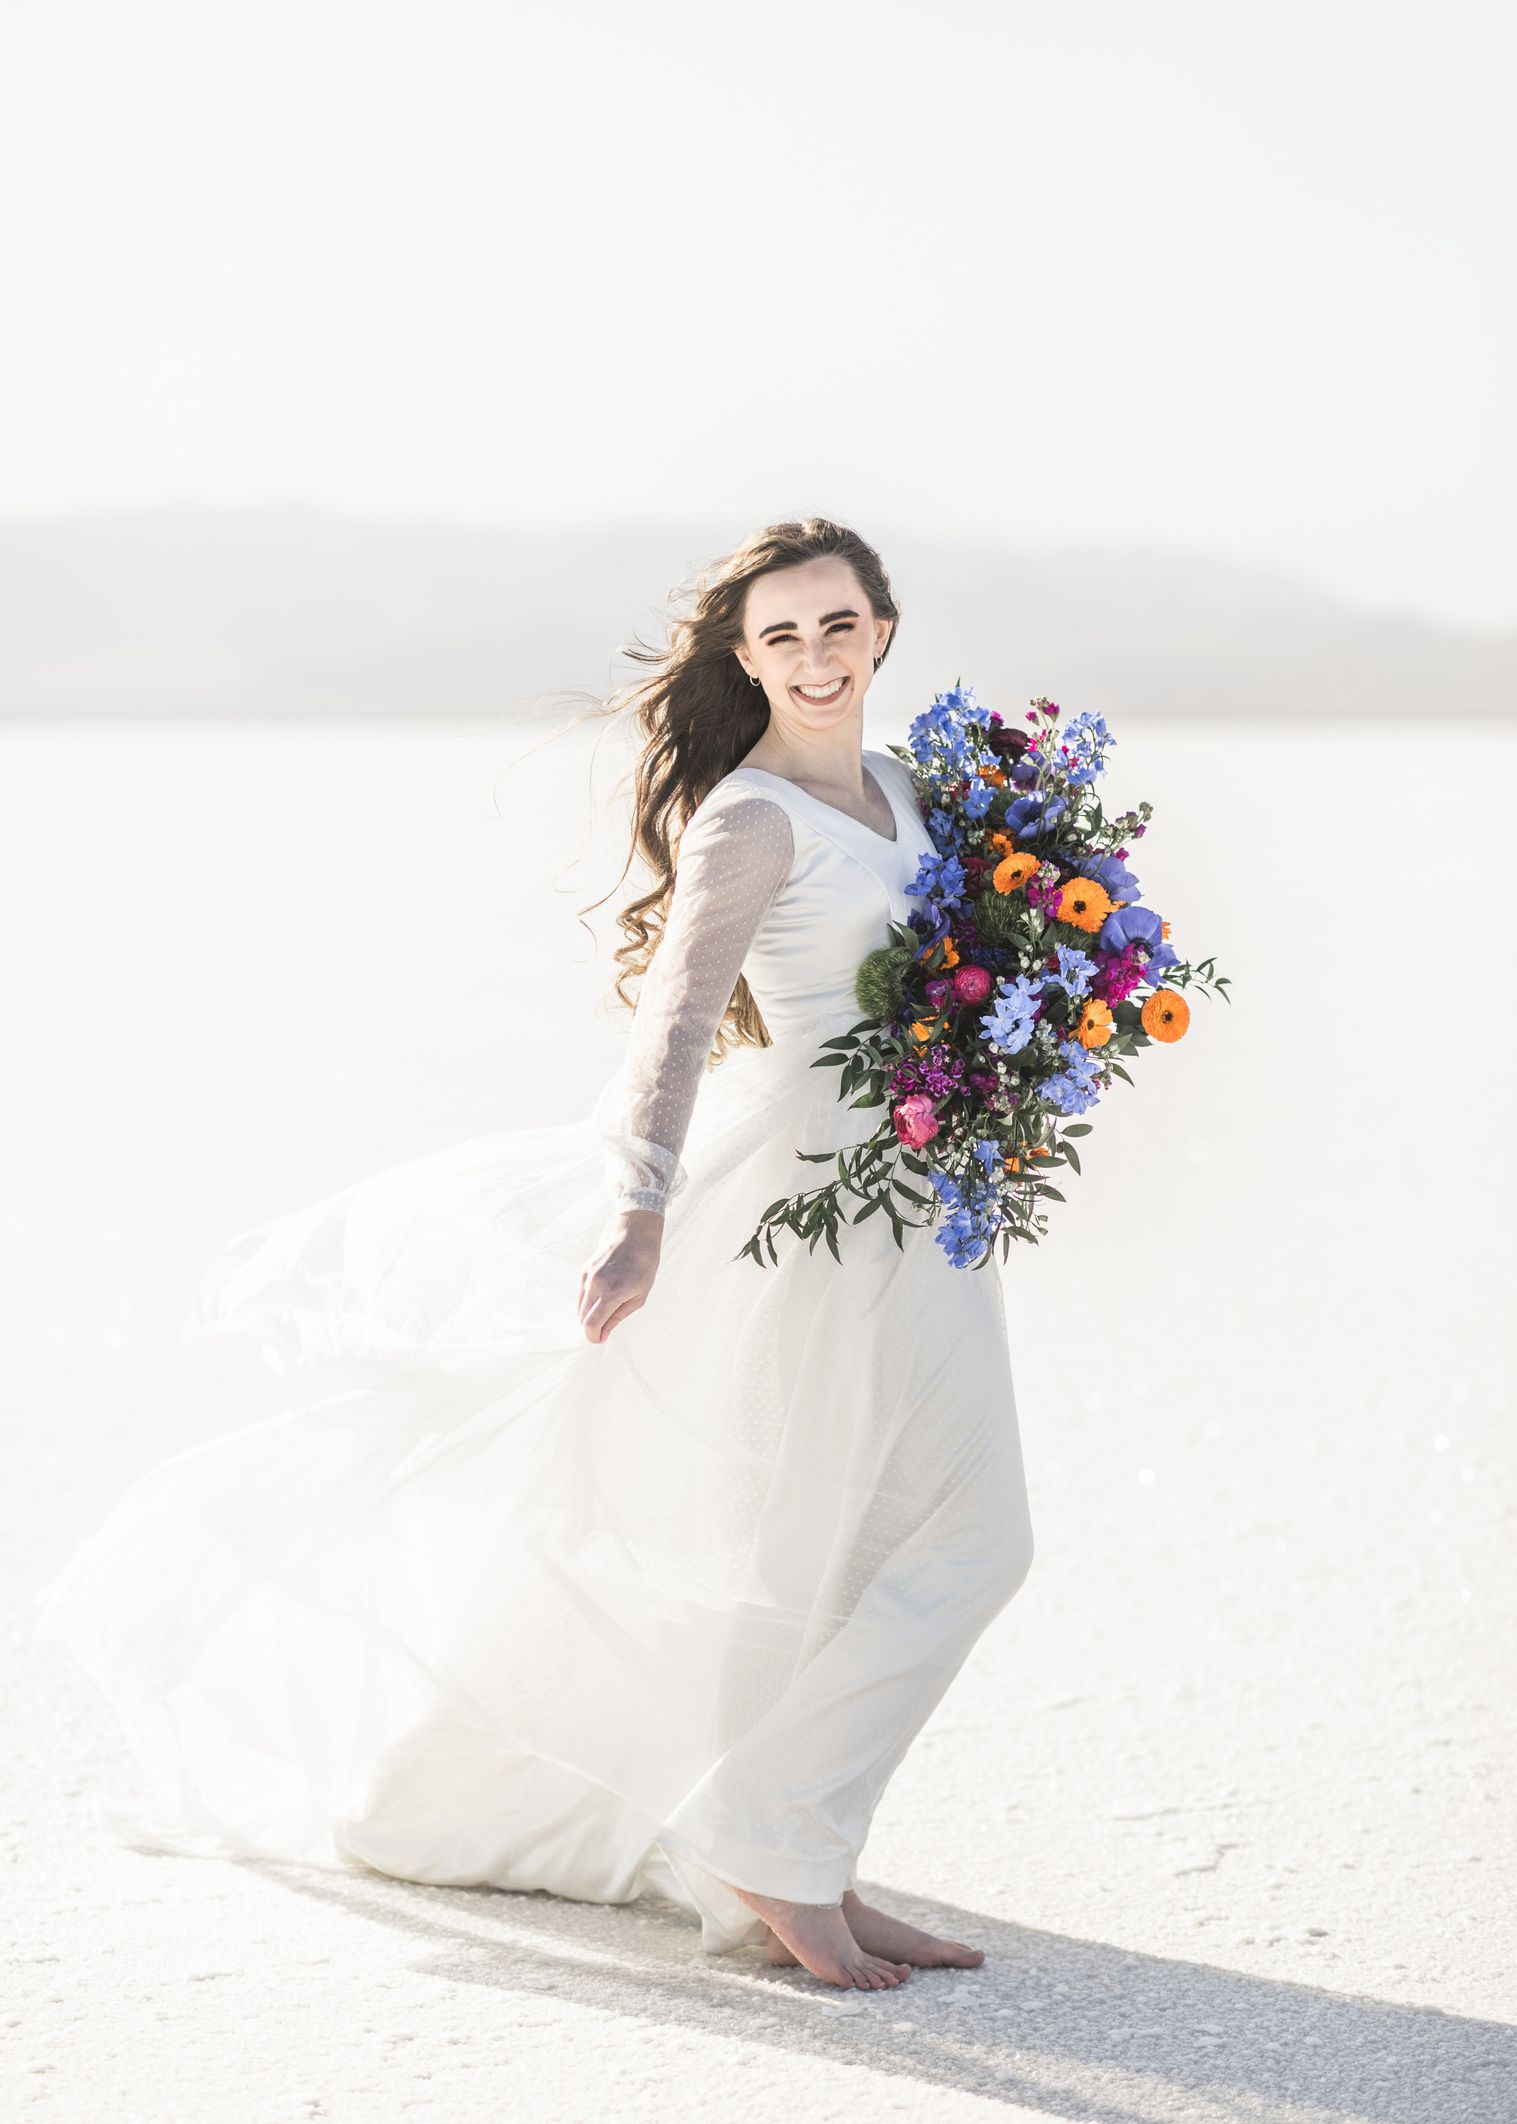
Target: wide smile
pixel 823 696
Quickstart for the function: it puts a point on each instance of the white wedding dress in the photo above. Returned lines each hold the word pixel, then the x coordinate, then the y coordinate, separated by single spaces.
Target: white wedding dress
pixel 495 1605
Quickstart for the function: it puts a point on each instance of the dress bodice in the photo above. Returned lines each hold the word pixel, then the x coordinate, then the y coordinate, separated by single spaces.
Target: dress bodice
pixel 781 887
pixel 844 885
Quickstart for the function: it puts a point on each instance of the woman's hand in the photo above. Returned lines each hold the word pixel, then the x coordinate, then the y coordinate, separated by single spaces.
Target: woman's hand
pixel 616 1279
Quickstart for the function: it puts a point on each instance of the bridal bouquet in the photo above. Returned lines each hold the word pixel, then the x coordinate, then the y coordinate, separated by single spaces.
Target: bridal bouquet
pixel 999 1011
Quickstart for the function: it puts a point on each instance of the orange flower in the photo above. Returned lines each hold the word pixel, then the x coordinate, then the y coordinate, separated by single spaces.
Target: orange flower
pixel 1083 903
pixel 1096 1024
pixel 1163 929
pixel 993 774
pixel 1014 1164
pixel 950 954
pixel 1166 1014
pixel 1013 870
pixel 1003 841
pixel 924 1029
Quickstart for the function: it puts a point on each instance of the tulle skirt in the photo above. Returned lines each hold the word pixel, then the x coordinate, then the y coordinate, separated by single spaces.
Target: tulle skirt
pixel 494 1605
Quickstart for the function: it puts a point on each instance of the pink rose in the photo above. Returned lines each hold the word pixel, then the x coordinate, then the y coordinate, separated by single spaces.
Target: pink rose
pixel 916 1120
pixel 971 984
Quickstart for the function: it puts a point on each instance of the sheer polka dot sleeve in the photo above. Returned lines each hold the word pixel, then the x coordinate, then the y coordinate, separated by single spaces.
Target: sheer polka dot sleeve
pixel 734 855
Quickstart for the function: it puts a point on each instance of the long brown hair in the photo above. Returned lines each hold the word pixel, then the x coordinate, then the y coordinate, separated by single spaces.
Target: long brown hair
pixel 699 716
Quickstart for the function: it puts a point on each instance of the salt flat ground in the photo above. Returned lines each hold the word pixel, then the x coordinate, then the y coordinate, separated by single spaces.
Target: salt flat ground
pixel 1226 1793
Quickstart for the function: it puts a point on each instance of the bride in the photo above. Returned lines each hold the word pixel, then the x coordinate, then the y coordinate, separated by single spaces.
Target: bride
pixel 592 1556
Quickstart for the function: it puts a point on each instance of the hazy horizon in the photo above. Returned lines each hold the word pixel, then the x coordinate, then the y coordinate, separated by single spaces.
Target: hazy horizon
pixel 215 612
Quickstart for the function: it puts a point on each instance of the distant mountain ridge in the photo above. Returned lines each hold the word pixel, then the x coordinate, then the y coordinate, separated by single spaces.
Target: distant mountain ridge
pixel 288 612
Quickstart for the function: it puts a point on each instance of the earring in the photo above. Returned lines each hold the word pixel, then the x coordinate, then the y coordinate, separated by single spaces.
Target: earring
pixel 753 678
pixel 878 661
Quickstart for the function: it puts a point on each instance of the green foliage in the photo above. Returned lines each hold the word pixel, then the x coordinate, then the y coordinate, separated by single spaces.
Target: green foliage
pixel 1000 917
pixel 880 987
pixel 1069 933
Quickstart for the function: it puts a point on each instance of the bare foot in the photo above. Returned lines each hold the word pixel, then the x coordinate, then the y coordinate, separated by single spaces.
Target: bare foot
pixel 817 1936
pixel 880 1934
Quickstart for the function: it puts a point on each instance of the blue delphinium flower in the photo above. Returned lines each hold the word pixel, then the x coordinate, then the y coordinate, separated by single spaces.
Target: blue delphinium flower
pixel 940 878
pixel 1074 1089
pixel 966 1232
pixel 941 826
pixel 941 733
pixel 949 1192
pixel 1075 973
pixel 988 1151
pixel 978 798
pixel 1007 1025
pixel 1087 738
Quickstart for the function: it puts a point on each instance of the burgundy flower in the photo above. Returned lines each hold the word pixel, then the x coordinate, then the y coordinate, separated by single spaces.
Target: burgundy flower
pixel 971 984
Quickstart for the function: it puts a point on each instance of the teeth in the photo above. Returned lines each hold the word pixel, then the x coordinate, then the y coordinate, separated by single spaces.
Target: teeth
pixel 819 693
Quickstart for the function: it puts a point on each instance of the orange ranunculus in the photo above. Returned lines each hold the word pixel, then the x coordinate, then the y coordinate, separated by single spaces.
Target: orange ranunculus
pixel 993 774
pixel 1166 1014
pixel 950 953
pixel 1083 903
pixel 1003 841
pixel 1096 1024
pixel 1013 870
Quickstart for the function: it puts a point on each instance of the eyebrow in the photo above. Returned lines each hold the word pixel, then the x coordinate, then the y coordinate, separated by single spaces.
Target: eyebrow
pixel 781 626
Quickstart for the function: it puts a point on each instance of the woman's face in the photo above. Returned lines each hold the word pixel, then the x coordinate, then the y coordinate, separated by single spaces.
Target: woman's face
pixel 811 640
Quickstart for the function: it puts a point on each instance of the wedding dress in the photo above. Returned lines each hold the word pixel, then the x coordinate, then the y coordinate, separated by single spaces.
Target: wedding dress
pixel 495 1605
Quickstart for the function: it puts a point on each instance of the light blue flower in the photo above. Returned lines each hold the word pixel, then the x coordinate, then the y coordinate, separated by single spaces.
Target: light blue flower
pixel 988 1151
pixel 949 1191
pixel 978 798
pixel 1075 973
pixel 965 1234
pixel 940 879
pixel 1087 738
pixel 1074 1089
pixel 940 737
pixel 1008 1023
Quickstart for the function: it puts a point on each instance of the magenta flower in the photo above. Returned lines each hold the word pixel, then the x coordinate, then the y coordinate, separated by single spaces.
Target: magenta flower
pixel 937 992
pixel 971 984
pixel 915 1121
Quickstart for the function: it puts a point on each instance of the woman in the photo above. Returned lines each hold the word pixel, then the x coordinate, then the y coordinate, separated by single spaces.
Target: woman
pixel 595 1557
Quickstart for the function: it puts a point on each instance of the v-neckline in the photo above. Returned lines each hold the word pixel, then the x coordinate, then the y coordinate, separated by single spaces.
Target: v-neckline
pixel 836 811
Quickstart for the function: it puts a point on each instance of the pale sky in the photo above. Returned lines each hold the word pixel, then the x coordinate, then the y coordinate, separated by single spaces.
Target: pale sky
pixel 1215 279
